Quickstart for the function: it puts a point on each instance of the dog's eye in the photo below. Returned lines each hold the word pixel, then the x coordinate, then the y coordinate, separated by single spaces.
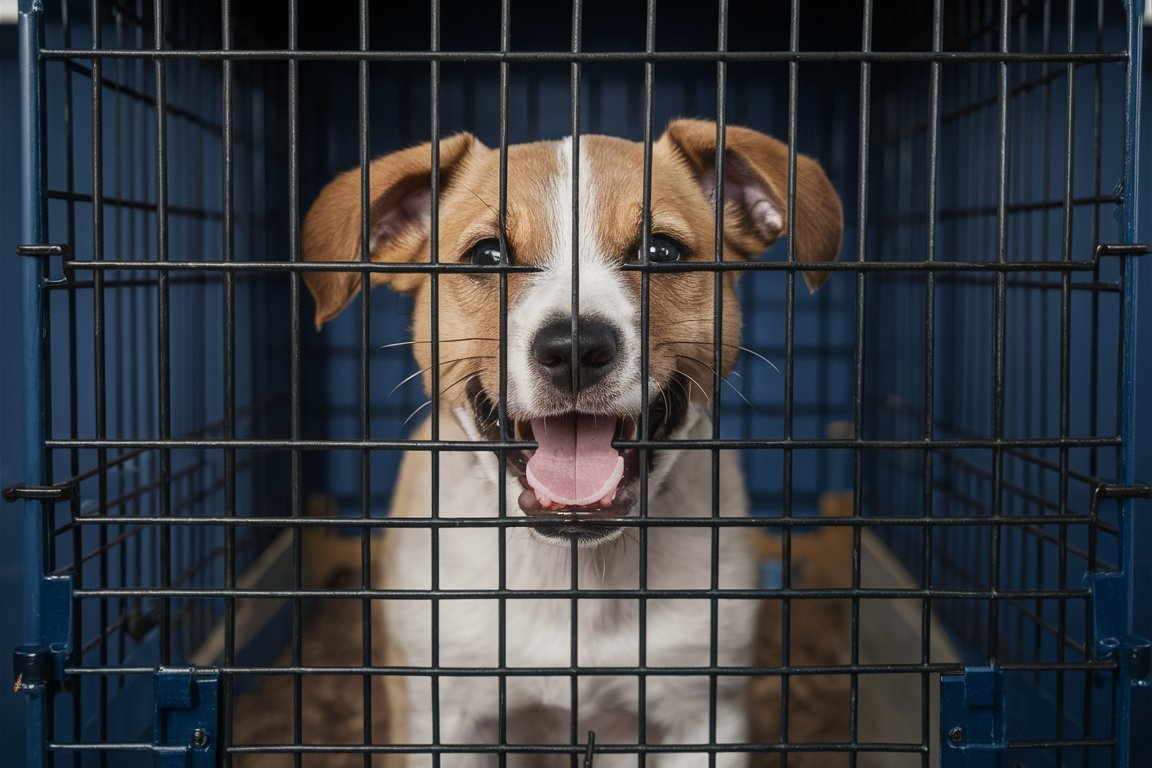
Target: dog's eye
pixel 662 248
pixel 486 253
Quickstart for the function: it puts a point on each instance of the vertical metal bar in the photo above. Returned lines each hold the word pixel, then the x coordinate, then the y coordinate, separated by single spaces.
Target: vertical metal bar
pixel 642 429
pixel 1090 698
pixel 434 377
pixel 72 402
pixel 574 96
pixel 574 551
pixel 367 636
pixel 98 346
pixel 502 404
pixel 1132 134
pixel 296 499
pixel 119 325
pixel 141 311
pixel 33 216
pixel 164 415
pixel 926 577
pixel 998 337
pixel 227 204
pixel 858 408
pixel 1065 358
pixel 718 278
pixel 789 381
pixel 365 410
pixel 1043 365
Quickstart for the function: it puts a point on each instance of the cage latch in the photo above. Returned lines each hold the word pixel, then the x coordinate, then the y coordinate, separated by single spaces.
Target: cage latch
pixel 60 492
pixel 187 717
pixel 1123 249
pixel 35 666
pixel 972 718
pixel 41 251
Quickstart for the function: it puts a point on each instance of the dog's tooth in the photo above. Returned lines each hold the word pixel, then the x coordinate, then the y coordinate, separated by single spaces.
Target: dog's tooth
pixel 607 500
pixel 545 502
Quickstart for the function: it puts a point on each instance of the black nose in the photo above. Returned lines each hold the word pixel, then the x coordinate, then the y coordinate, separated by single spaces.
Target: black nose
pixel 552 349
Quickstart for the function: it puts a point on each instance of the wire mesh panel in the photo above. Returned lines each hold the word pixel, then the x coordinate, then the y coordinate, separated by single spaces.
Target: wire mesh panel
pixel 831 506
pixel 1019 368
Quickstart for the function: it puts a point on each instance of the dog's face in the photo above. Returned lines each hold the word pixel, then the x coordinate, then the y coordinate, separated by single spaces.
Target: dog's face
pixel 573 380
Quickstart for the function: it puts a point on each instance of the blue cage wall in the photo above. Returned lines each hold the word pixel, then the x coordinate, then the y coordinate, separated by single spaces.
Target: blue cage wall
pixel 1034 354
pixel 1061 341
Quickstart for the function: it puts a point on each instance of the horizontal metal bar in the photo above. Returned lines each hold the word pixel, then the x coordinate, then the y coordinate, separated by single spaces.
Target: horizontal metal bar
pixel 648 748
pixel 654 267
pixel 569 57
pixel 864 266
pixel 676 445
pixel 429 523
pixel 597 671
pixel 828 593
pixel 624 749
pixel 298 266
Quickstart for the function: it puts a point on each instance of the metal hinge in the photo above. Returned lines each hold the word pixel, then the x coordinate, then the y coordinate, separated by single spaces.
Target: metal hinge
pixel 1111 599
pixel 1112 595
pixel 1133 657
pixel 187 724
pixel 38 665
pixel 1132 653
pixel 972 731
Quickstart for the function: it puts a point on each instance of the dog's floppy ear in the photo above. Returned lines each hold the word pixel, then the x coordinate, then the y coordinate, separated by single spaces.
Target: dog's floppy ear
pixel 756 191
pixel 399 199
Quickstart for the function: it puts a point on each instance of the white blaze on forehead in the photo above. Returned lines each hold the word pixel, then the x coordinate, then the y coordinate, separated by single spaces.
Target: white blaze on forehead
pixel 560 214
pixel 603 291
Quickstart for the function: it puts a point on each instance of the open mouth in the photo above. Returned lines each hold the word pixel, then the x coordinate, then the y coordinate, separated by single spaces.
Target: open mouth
pixel 578 482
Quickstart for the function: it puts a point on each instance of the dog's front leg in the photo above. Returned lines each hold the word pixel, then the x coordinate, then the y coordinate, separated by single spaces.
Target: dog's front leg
pixel 462 717
pixel 688 723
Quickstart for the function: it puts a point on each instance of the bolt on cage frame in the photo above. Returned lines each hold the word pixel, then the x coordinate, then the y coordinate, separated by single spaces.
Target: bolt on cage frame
pixel 144 512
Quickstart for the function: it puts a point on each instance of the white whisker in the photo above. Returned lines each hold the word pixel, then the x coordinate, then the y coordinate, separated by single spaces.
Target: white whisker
pixel 412 415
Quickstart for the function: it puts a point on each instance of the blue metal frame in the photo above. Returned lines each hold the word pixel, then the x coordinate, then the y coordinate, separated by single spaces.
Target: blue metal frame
pixel 32 231
pixel 1133 707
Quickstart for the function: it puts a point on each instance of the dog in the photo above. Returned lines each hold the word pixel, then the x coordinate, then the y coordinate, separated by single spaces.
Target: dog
pixel 569 554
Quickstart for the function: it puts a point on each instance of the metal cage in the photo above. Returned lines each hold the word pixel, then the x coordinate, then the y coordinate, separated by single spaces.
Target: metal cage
pixel 941 445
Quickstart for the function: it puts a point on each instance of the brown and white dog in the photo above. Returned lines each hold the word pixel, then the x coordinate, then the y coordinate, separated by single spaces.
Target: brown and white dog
pixel 574 401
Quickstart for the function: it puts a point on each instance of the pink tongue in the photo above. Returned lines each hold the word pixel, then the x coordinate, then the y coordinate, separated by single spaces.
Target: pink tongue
pixel 575 463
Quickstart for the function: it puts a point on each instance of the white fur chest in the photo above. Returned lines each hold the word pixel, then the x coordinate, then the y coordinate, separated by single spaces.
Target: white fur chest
pixel 527 630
